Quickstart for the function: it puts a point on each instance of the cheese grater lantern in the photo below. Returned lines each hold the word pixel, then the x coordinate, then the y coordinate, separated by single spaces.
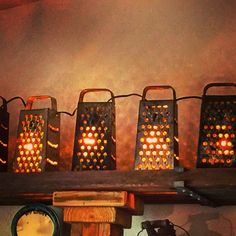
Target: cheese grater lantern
pixel 217 136
pixel 38 137
pixel 4 134
pixel 157 133
pixel 95 138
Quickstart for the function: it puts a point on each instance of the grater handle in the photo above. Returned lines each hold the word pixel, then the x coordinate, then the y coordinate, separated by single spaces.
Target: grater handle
pixel 160 87
pixel 83 92
pixel 31 99
pixel 217 85
pixel 4 103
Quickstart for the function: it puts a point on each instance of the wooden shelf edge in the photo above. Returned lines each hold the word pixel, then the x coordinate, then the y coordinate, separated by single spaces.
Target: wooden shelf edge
pixel 217 184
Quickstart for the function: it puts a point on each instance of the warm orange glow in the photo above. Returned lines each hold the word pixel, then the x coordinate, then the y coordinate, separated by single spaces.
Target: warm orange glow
pixel 152 133
pixel 223 127
pixel 53 128
pixel 51 162
pixel 50 144
pixel 2 161
pixel 229 144
pixel 226 152
pixel 223 143
pixel 89 141
pixel 144 146
pixel 226 135
pixel 152 140
pixel 28 146
pixel 3 144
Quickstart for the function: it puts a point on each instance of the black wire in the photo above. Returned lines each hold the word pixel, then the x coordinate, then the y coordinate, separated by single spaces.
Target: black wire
pixel 67 113
pixel 188 97
pixel 125 95
pixel 140 232
pixel 182 229
pixel 136 94
pixel 14 98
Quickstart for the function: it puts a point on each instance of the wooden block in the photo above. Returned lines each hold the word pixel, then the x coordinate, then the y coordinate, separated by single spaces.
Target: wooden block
pixel 91 198
pixel 96 229
pixel 136 206
pixel 102 198
pixel 97 215
pixel 76 229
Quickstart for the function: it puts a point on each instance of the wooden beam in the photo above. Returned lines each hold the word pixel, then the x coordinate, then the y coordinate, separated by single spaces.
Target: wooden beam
pixel 218 184
pixel 91 198
pixel 120 199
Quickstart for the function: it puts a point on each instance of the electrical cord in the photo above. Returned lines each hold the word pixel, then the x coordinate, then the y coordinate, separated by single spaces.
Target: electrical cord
pixel 118 96
pixel 125 95
pixel 15 98
pixel 181 228
pixel 68 113
pixel 140 232
pixel 188 97
pixel 136 94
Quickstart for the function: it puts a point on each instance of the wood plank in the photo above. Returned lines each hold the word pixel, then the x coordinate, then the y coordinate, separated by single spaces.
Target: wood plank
pixel 91 198
pixel 76 229
pixel 88 229
pixel 121 199
pixel 97 215
pixel 21 188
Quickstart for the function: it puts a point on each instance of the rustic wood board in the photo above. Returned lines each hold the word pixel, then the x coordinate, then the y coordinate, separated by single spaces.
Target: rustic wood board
pixel 97 215
pixel 121 199
pixel 217 184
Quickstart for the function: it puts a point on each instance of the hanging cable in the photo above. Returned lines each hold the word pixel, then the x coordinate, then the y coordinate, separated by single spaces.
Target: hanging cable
pixel 136 94
pixel 15 98
pixel 181 228
pixel 140 232
pixel 188 97
pixel 125 95
pixel 67 113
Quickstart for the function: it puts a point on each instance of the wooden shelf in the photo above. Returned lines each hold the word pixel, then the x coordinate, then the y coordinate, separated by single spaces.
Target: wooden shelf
pixel 218 185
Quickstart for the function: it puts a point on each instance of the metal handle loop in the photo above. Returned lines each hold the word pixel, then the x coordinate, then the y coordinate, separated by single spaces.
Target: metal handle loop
pixel 160 87
pixel 217 85
pixel 83 92
pixel 31 99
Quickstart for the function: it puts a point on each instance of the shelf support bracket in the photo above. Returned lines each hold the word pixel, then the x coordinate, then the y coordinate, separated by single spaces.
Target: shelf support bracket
pixel 181 188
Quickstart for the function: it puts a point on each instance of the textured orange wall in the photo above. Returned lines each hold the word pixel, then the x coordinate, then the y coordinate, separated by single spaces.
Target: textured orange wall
pixel 61 47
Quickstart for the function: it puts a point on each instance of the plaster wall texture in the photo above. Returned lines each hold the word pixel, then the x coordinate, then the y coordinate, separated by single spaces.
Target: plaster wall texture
pixel 61 47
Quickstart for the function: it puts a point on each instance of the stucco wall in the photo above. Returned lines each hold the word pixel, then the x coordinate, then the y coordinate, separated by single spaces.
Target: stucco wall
pixel 61 47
